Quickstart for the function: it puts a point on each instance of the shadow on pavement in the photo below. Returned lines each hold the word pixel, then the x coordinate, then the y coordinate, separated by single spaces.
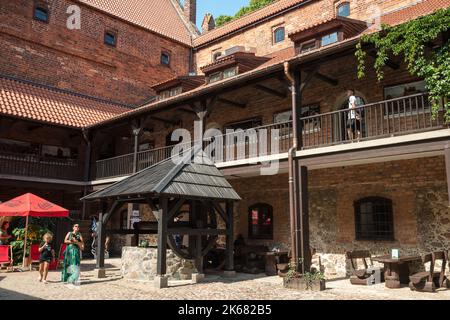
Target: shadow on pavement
pixel 13 295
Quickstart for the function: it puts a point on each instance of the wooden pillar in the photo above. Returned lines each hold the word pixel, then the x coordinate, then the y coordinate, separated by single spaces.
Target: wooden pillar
pixel 101 236
pixel 87 168
pixel 198 254
pixel 302 234
pixel 161 264
pixel 447 168
pixel 136 132
pixel 229 260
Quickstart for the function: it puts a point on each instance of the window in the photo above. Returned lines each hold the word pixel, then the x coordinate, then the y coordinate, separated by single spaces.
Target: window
pixel 308 46
pixel 165 59
pixel 405 106
pixel 244 125
pixel 374 219
pixel 216 56
pixel 260 221
pixel 230 72
pixel 329 39
pixel 215 77
pixel 110 38
pixel 343 10
pixel 170 93
pixel 278 35
pixel 41 14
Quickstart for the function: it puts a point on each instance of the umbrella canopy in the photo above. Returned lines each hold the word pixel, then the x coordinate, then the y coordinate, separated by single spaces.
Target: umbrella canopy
pixel 30 205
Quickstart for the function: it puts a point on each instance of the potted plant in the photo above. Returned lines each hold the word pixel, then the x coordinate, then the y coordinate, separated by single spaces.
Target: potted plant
pixel 312 280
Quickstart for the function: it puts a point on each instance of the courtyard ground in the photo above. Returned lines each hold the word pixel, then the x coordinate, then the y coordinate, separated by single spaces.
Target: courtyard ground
pixel 24 285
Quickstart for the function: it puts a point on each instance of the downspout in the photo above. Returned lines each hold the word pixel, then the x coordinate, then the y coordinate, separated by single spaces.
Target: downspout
pixel 291 155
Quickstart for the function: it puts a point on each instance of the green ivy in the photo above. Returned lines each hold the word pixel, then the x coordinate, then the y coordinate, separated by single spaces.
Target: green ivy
pixel 415 41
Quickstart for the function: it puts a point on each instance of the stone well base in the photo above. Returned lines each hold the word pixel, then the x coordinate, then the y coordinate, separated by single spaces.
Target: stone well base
pixel 140 264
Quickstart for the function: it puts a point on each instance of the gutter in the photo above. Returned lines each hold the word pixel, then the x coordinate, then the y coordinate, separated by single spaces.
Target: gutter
pixel 292 176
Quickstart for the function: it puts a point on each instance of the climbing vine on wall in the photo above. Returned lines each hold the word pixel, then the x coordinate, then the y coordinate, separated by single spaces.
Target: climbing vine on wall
pixel 425 47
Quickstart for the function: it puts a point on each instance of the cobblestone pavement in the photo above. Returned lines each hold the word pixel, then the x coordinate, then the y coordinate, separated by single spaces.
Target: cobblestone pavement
pixel 24 285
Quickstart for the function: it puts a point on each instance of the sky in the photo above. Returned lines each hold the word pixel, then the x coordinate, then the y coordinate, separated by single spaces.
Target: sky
pixel 217 8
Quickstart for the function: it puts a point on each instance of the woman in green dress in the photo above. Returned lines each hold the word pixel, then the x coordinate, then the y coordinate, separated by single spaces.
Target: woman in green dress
pixel 72 256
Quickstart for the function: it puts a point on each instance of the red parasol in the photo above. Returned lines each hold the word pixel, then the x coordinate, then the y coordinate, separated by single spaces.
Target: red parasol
pixel 30 205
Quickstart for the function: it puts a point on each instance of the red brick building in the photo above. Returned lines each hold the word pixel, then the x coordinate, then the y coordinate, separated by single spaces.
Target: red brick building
pixel 388 190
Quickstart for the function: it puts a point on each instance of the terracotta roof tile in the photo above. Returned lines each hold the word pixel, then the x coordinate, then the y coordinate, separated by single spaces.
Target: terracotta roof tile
pixel 159 16
pixel 246 20
pixel 423 8
pixel 29 101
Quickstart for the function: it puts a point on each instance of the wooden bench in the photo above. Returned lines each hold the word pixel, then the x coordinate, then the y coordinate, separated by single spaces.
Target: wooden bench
pixel 367 276
pixel 428 281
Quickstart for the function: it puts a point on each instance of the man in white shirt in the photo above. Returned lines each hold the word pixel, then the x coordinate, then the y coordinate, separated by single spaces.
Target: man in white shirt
pixel 353 122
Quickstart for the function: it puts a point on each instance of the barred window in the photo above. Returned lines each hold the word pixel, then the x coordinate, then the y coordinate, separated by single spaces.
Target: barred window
pixel 374 219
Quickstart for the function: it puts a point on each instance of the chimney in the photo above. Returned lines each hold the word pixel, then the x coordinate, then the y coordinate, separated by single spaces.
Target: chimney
pixel 208 23
pixel 190 10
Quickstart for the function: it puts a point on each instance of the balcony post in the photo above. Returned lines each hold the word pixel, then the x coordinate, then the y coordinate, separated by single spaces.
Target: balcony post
pixel 136 132
pixel 87 167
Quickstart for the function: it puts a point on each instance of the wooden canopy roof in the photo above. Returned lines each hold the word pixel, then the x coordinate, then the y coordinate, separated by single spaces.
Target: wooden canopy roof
pixel 195 176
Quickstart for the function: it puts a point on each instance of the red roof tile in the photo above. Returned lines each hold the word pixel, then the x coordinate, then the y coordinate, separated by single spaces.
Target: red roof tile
pixel 33 102
pixel 159 16
pixel 423 8
pixel 246 20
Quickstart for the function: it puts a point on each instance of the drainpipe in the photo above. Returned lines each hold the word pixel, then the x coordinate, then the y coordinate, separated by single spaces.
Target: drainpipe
pixel 291 165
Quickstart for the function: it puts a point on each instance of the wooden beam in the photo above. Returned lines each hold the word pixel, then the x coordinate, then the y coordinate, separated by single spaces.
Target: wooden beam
pixel 229 260
pixel 196 232
pixel 187 111
pixel 232 103
pixel 220 210
pixel 327 79
pixel 281 94
pixel 162 239
pixel 391 64
pixel 171 122
pixel 175 208
pixel 309 76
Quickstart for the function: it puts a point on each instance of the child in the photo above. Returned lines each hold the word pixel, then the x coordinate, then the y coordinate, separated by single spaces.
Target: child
pixel 47 255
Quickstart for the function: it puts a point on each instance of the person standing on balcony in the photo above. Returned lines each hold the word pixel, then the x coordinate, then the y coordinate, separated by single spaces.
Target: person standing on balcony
pixel 353 120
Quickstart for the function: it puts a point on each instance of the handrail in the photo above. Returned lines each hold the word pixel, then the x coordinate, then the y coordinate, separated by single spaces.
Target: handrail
pixel 379 119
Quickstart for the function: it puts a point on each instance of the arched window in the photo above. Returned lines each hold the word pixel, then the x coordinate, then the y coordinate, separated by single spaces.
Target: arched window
pixel 278 35
pixel 41 13
pixel 374 219
pixel 260 221
pixel 343 10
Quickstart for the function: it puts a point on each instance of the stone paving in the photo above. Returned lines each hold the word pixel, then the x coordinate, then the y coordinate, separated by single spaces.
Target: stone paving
pixel 24 285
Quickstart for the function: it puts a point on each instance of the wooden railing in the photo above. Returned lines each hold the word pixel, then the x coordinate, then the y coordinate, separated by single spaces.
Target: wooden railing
pixel 382 119
pixel 41 167
pixel 376 120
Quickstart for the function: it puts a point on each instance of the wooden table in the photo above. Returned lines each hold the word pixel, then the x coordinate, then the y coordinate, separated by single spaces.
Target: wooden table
pixel 271 259
pixel 396 271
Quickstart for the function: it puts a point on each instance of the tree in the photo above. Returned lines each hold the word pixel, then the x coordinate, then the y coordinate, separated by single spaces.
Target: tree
pixel 252 6
pixel 424 45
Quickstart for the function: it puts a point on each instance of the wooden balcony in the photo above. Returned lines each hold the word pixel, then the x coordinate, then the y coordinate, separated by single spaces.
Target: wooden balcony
pixel 27 165
pixel 406 115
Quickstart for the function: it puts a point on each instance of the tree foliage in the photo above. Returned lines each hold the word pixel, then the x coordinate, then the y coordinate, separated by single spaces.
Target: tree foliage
pixel 252 6
pixel 425 47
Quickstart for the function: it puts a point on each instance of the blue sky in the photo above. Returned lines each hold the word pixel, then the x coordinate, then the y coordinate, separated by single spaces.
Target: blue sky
pixel 218 7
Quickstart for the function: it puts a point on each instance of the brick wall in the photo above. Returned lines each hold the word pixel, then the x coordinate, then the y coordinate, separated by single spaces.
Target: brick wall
pixel 416 187
pixel 260 35
pixel 79 60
